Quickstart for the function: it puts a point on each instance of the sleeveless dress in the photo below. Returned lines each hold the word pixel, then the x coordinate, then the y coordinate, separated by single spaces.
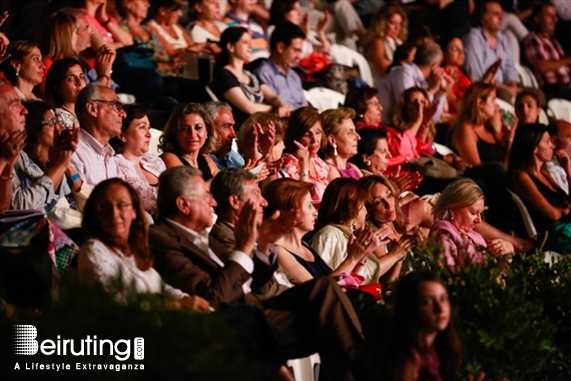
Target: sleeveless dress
pixel 317 268
pixel 202 165
pixel 349 172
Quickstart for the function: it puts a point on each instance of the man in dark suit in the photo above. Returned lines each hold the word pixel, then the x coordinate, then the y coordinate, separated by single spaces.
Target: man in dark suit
pixel 317 313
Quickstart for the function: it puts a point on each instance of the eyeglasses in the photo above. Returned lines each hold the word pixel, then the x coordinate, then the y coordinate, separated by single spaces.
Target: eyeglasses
pixel 456 49
pixel 115 103
pixel 121 206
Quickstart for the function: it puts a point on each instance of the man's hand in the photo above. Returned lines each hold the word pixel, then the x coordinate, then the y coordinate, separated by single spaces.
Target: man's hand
pixel 11 145
pixel 246 229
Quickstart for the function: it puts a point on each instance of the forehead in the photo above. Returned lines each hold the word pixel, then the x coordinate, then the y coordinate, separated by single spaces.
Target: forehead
pixel 116 191
pixel 107 93
pixel 382 143
pixel 250 186
pixel 527 99
pixel 430 287
pixel 225 116
pixel 192 119
pixel 7 93
pixel 380 190
pixel 455 42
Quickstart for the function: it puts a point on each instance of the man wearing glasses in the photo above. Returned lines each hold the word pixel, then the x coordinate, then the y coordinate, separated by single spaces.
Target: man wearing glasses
pixel 100 116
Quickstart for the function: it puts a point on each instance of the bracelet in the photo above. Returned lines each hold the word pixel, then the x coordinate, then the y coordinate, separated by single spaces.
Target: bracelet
pixel 103 76
pixel 9 177
pixel 301 174
pixel 72 179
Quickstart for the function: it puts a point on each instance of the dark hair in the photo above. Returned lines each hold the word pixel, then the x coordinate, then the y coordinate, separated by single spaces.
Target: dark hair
pixel 169 4
pixel 401 53
pixel 341 202
pixel 138 243
pixel 480 10
pixel 358 97
pixel 526 138
pixel 229 36
pixel 285 33
pixel 34 126
pixel 300 121
pixel 56 76
pixel 168 142
pixel 278 10
pixel 401 116
pixel 538 8
pixel 368 144
pixel 536 94
pixel 133 111
pixel 17 50
pixel 405 334
pixel 285 195
pixel 229 182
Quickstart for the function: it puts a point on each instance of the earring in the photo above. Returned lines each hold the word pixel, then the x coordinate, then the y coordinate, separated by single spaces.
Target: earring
pixel 353 226
pixel 334 149
pixel 361 116
pixel 17 73
pixel 368 162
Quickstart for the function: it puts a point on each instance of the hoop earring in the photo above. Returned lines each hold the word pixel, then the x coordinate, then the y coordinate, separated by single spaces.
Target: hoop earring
pixel 368 163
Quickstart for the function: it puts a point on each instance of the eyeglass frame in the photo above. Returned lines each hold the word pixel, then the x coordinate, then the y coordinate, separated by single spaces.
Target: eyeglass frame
pixel 115 103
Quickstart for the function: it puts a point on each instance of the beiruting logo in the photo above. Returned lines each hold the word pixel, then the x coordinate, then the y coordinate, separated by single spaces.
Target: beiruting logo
pixel 25 343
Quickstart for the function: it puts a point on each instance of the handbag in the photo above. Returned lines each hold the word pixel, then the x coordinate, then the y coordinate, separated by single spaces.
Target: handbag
pixel 136 56
pixel 432 167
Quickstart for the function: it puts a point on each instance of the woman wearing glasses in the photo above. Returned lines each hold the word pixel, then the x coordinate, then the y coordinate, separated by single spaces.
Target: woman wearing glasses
pixel 188 138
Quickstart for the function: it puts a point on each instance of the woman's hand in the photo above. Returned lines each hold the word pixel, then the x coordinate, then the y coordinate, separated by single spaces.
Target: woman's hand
pixel 500 246
pixel 403 246
pixel 302 153
pixel 363 242
pixel 407 182
pixel 284 111
pixel 323 22
pixel 490 74
pixel 266 139
pixel 3 43
pixel 101 14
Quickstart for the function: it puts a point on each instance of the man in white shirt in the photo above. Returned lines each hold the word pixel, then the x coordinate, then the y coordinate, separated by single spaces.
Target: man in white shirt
pixel 100 116
pixel 317 313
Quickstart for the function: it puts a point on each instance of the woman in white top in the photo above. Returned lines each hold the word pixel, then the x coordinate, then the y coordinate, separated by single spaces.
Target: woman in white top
pixel 140 168
pixel 388 30
pixel 117 251
pixel 24 68
pixel 172 36
pixel 206 24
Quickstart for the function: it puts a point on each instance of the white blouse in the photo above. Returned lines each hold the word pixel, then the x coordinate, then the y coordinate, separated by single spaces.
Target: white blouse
pixel 200 35
pixel 108 265
pixel 133 174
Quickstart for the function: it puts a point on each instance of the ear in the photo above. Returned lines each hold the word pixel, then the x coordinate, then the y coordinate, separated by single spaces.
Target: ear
pixel 365 157
pixel 331 140
pixel 91 108
pixel 230 47
pixel 122 138
pixel 16 65
pixel 280 47
pixel 182 205
pixel 234 202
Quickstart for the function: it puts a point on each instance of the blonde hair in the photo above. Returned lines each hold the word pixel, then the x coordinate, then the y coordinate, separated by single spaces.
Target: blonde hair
pixel 460 193
pixel 470 111
pixel 383 16
pixel 332 119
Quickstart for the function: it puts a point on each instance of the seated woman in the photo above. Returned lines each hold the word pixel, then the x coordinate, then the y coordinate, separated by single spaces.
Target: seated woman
pixel 140 169
pixel 366 104
pixel 239 87
pixel 388 30
pixel 23 68
pixel 118 247
pixel 65 79
pixel 173 41
pixel 385 214
pixel 297 258
pixel 548 204
pixel 290 10
pixel 106 29
pixel 188 138
pixel 341 140
pixel 424 343
pixel 414 131
pixel 528 106
pixel 205 21
pixel 341 213
pixel 452 63
pixel 478 134
pixel 457 212
pixel 303 140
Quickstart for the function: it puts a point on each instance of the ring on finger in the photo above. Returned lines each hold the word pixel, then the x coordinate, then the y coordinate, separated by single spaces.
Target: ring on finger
pixel 365 243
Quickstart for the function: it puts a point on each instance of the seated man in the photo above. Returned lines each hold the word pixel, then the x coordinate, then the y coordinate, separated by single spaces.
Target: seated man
pixel 240 14
pixel 223 123
pixel 486 44
pixel 544 52
pixel 286 46
pixel 100 116
pixel 317 313
pixel 424 72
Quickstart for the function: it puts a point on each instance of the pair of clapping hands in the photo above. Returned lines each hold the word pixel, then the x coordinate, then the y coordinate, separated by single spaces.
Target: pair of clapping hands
pixel 257 151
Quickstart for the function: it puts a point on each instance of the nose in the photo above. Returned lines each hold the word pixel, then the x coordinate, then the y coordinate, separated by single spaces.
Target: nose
pixel 232 132
pixel 122 113
pixel 263 202
pixel 437 307
pixel 58 127
pixel 213 202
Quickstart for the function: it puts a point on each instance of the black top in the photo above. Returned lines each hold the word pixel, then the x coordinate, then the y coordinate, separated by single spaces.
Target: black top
pixel 557 198
pixel 490 152
pixel 224 80
pixel 317 268
pixel 202 165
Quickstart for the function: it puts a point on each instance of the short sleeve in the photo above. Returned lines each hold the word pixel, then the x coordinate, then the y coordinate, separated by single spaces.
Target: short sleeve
pixel 223 81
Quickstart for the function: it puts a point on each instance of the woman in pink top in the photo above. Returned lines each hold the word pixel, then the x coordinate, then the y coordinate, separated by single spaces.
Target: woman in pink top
pixel 457 211
pixel 342 140
pixel 413 132
pixel 303 139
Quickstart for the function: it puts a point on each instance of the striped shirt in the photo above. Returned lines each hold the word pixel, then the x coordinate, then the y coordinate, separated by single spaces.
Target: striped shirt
pixel 539 47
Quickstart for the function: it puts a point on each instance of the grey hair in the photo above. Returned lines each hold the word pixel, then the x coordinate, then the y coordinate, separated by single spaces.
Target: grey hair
pixel 86 94
pixel 427 53
pixel 173 183
pixel 229 182
pixel 214 107
pixel 460 193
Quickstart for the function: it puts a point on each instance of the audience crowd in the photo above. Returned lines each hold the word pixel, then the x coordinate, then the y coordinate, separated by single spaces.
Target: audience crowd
pixel 258 198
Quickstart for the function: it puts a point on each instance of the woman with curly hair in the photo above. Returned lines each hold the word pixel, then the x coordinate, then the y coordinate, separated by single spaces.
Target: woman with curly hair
pixel 188 138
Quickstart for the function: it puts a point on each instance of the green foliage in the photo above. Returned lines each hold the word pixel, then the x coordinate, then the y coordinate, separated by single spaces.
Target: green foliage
pixel 178 344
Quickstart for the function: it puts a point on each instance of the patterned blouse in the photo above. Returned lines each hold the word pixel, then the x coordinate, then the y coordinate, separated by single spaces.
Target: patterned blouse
pixel 320 179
